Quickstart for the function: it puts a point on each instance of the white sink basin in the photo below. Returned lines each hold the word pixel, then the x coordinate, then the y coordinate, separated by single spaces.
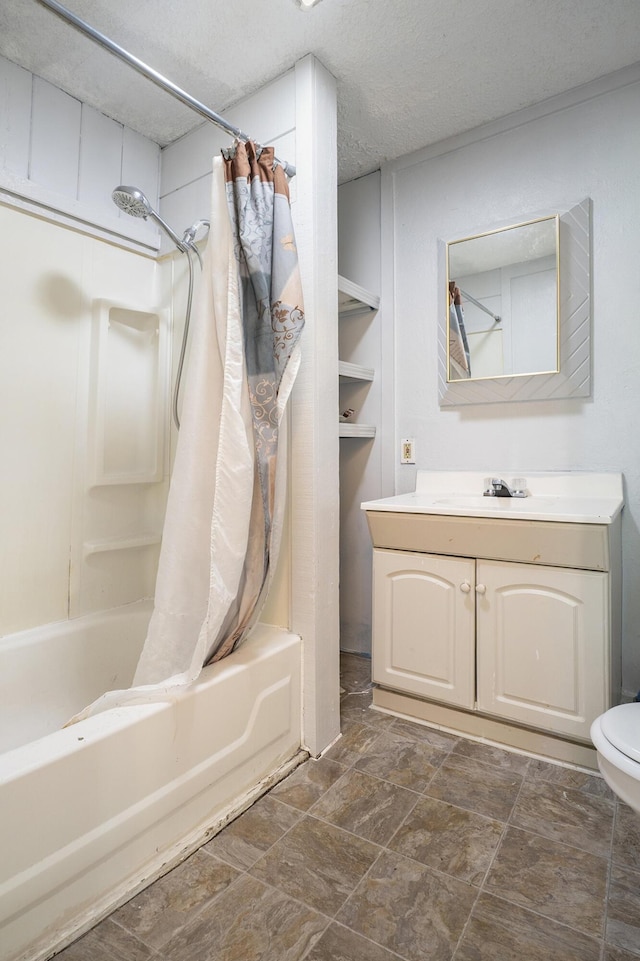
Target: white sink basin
pixel 469 500
pixel 553 496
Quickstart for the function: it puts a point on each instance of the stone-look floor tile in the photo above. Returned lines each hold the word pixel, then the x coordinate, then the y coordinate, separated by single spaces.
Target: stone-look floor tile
pixel 592 784
pixel 499 931
pixel 626 836
pixel 342 944
pixel 623 910
pixel 250 921
pixel 308 782
pixel 160 910
pixel 357 707
pixel 246 839
pixel 449 839
pixel 490 754
pixel 612 953
pixel 107 942
pixel 555 880
pixel 402 760
pixel 355 672
pixel 317 863
pixel 409 909
pixel 356 741
pixel 561 814
pixel 421 732
pixel 475 786
pixel 366 806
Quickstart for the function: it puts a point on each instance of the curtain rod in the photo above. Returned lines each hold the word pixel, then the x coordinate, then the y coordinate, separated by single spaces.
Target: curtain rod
pixel 473 300
pixel 154 76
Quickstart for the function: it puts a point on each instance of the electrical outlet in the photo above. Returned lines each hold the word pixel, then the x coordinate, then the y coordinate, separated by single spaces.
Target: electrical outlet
pixel 407 450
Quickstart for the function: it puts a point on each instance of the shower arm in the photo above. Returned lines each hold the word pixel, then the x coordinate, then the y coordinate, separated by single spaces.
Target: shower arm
pixel 155 77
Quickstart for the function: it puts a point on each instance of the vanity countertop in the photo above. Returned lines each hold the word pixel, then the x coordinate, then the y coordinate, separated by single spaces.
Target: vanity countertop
pixel 568 497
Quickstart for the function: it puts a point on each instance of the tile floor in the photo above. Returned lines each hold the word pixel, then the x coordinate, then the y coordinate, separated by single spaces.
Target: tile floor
pixel 401 844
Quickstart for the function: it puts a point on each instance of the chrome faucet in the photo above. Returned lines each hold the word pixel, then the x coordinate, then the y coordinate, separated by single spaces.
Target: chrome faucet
pixel 496 487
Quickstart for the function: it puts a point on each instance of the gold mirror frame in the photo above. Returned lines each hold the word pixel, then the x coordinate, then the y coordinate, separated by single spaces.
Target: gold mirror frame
pixel 572 378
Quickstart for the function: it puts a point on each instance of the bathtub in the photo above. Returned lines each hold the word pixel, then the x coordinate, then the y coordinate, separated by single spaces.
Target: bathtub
pixel 91 813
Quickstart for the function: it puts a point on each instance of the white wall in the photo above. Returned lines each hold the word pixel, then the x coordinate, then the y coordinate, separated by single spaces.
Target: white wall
pixel 185 188
pixel 60 154
pixel 581 145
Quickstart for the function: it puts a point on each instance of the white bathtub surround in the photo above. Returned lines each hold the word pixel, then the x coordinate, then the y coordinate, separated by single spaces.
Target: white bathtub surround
pixel 226 501
pixel 49 673
pixel 93 812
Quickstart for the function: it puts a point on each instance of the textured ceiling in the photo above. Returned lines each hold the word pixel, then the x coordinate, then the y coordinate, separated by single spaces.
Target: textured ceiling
pixel 409 72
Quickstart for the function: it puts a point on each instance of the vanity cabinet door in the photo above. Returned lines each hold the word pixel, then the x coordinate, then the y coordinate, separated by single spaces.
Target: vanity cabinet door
pixel 543 645
pixel 424 625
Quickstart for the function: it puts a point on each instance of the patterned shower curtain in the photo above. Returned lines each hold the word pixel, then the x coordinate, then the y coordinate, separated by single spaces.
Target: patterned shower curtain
pixel 225 506
pixel 272 319
pixel 226 499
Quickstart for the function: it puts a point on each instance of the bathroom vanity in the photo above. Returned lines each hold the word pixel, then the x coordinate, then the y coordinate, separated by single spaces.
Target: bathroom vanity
pixel 499 617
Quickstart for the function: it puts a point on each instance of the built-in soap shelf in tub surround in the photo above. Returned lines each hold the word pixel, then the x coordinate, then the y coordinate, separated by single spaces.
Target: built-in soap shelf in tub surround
pixel 134 542
pixel 128 413
pixel 126 469
pixel 500 617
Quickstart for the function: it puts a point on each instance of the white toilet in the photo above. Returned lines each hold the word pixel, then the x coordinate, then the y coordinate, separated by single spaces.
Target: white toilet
pixel 616 737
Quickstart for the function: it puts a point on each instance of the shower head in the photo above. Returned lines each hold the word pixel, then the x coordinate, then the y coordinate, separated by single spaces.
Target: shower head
pixel 133 202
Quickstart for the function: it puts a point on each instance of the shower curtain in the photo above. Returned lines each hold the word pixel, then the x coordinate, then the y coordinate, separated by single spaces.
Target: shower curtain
pixel 226 500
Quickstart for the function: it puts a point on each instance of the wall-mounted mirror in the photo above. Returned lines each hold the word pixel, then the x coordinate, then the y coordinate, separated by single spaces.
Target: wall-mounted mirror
pixel 502 316
pixel 514 310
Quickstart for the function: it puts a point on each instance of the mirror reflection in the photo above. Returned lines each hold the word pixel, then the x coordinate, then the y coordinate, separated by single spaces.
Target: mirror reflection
pixel 502 291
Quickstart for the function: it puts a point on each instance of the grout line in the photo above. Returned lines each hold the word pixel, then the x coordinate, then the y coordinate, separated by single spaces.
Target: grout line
pixel 481 886
pixel 566 844
pixel 359 934
pixel 355 888
pixel 241 871
pixel 605 916
pixel 544 917
pixel 352 834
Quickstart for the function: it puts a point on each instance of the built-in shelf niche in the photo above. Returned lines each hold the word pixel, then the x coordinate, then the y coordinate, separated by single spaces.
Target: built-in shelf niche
pixel 357 430
pixel 355 300
pixel 354 372
pixel 128 421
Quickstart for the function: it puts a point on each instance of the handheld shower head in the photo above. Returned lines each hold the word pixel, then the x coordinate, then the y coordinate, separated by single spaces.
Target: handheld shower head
pixel 133 202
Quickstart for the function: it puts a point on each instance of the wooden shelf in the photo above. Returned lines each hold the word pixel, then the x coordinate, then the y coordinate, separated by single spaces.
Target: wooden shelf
pixel 356 430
